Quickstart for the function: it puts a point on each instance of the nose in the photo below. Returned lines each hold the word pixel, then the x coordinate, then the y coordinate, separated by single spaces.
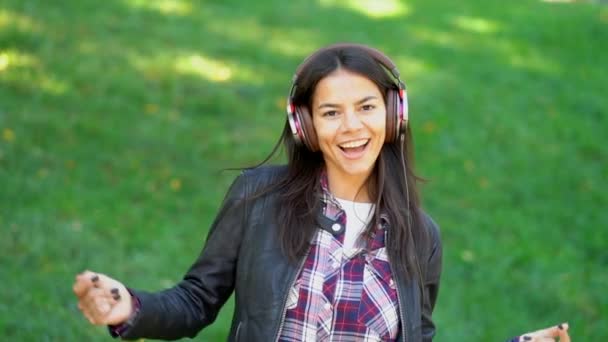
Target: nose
pixel 351 121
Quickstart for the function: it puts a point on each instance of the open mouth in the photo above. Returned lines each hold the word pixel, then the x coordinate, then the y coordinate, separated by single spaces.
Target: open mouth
pixel 355 147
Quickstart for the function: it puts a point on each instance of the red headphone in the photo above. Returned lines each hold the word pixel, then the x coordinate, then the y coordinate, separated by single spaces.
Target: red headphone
pixel 300 120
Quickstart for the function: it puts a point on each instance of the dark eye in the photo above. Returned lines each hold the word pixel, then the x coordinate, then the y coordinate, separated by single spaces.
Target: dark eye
pixel 368 107
pixel 330 113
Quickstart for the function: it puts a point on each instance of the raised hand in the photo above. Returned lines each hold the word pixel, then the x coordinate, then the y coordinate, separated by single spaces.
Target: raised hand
pixel 102 300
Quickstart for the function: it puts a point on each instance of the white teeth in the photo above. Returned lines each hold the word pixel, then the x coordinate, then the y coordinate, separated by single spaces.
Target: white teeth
pixel 354 143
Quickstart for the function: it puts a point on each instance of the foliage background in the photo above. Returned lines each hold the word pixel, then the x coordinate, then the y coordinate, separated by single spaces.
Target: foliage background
pixel 116 118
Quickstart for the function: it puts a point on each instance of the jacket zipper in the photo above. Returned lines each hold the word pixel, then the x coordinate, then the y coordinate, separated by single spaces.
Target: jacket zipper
pixel 401 308
pixel 291 284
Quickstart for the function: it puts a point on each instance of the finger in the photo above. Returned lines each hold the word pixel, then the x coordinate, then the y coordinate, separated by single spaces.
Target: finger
pixel 97 309
pixel 86 311
pixel 113 286
pixel 103 307
pixel 115 295
pixel 111 296
pixel 532 337
pixel 563 332
pixel 88 280
pixel 548 332
pixel 555 331
pixel 88 303
pixel 106 301
pixel 85 281
pixel 87 316
pixel 98 304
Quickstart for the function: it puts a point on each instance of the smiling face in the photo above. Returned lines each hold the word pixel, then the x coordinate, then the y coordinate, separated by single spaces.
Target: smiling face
pixel 349 117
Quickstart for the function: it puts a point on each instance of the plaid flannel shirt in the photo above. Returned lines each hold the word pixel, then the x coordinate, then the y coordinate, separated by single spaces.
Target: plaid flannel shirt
pixel 343 295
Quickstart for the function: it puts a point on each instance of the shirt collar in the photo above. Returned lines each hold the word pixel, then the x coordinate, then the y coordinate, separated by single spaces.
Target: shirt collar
pixel 332 208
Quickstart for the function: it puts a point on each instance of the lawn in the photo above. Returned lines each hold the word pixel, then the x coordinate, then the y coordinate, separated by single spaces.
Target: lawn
pixel 118 117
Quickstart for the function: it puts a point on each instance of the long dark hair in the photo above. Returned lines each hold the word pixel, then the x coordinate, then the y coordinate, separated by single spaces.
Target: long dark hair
pixel 392 184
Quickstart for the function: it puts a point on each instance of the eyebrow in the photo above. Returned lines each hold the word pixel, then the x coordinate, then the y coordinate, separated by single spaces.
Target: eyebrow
pixel 363 100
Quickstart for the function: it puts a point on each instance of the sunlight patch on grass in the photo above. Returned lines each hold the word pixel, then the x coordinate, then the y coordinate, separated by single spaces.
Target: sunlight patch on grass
pixel 436 37
pixel 477 25
pixel 287 46
pixel 372 8
pixel 88 47
pixel 22 23
pixel 411 67
pixel 204 67
pixel 193 64
pixel 3 61
pixel 527 59
pixel 16 59
pixel 244 30
pixel 467 256
pixel 173 7
pixel 12 64
pixel 294 43
pixel 533 62
pixel 52 85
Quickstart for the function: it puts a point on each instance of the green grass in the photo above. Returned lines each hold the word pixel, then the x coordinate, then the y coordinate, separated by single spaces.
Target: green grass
pixel 116 118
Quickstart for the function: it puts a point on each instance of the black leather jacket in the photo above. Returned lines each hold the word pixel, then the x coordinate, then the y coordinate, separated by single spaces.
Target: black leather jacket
pixel 242 253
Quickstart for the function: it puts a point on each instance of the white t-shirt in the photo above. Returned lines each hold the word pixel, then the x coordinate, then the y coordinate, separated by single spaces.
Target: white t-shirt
pixel 358 215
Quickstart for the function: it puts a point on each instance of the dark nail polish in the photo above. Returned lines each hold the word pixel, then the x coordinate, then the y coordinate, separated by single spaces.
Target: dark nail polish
pixel 95 278
pixel 116 296
pixel 527 338
pixel 114 291
pixel 560 327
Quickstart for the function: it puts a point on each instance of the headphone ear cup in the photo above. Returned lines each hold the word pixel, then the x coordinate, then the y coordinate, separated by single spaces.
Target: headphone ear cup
pixel 392 115
pixel 406 119
pixel 294 124
pixel 309 136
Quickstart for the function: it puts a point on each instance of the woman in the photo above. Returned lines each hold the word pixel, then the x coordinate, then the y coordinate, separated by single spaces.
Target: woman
pixel 332 246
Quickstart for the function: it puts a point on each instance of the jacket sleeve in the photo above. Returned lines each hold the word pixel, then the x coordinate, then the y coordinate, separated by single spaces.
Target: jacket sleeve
pixel 431 281
pixel 192 304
